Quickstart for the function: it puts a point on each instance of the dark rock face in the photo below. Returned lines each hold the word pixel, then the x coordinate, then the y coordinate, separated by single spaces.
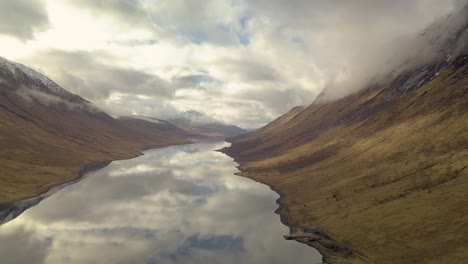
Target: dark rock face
pixel 409 81
pixel 448 38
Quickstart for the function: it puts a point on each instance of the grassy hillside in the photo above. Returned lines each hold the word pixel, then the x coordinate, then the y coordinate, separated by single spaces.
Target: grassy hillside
pixel 382 171
pixel 43 144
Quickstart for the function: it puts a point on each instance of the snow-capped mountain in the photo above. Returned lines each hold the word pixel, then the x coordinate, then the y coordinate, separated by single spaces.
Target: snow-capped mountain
pixel 23 76
pixel 153 126
pixel 149 119
pixel 193 117
pixel 49 134
pixel 203 125
pixel 444 40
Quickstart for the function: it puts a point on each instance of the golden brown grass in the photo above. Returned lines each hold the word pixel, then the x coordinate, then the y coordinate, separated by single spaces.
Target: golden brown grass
pixel 389 178
pixel 45 145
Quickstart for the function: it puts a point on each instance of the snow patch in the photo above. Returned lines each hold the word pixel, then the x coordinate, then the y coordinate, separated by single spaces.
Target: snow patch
pixel 149 119
pixel 15 69
pixel 7 65
pixel 193 117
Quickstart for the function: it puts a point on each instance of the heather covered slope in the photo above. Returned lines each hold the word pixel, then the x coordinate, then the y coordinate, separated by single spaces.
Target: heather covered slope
pixel 382 170
pixel 47 135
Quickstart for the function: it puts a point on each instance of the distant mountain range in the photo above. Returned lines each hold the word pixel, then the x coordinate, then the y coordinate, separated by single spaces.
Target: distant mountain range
pixel 193 117
pixel 385 170
pixel 189 124
pixel 202 125
pixel 154 126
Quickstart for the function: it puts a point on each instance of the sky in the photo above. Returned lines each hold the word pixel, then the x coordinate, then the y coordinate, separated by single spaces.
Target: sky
pixel 242 62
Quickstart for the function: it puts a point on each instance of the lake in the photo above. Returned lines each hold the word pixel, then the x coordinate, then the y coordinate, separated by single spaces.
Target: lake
pixel 181 204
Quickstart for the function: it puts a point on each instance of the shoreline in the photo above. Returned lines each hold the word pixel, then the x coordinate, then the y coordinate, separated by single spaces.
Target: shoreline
pixel 10 211
pixel 332 251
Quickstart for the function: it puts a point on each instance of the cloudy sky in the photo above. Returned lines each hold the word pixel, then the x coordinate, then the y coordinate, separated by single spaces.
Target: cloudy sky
pixel 240 61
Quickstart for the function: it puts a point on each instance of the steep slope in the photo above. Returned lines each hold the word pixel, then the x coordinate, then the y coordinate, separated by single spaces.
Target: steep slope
pixel 47 135
pixel 201 125
pixel 383 170
pixel 272 126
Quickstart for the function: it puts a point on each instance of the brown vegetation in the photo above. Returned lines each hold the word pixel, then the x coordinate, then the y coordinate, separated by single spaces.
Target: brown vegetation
pixel 382 171
pixel 46 144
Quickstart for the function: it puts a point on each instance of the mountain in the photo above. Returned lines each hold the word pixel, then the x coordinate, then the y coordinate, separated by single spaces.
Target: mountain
pixel 15 73
pixel 154 126
pixel 272 126
pixel 48 135
pixel 383 171
pixel 201 125
pixel 194 117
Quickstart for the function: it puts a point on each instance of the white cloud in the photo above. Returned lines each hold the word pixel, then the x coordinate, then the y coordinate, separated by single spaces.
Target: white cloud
pixel 242 62
pixel 22 19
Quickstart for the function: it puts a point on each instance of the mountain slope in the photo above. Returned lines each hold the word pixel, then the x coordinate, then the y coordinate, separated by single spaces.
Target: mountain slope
pixel 47 135
pixel 384 170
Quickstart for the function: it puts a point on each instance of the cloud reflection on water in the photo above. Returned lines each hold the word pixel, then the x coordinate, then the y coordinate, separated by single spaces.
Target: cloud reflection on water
pixel 181 204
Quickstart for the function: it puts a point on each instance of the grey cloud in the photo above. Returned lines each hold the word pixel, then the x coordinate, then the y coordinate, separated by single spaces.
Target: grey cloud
pixel 22 18
pixel 15 242
pixel 214 242
pixel 316 14
pixel 459 3
pixel 197 21
pixel 350 41
pixel 246 70
pixel 30 94
pixel 190 81
pixel 200 21
pixel 124 188
pixel 119 245
pixel 296 49
pixel 192 250
pixel 279 101
pixel 86 74
pixel 128 12
pixel 152 107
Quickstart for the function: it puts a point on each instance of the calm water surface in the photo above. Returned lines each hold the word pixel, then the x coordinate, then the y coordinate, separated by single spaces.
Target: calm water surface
pixel 181 204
